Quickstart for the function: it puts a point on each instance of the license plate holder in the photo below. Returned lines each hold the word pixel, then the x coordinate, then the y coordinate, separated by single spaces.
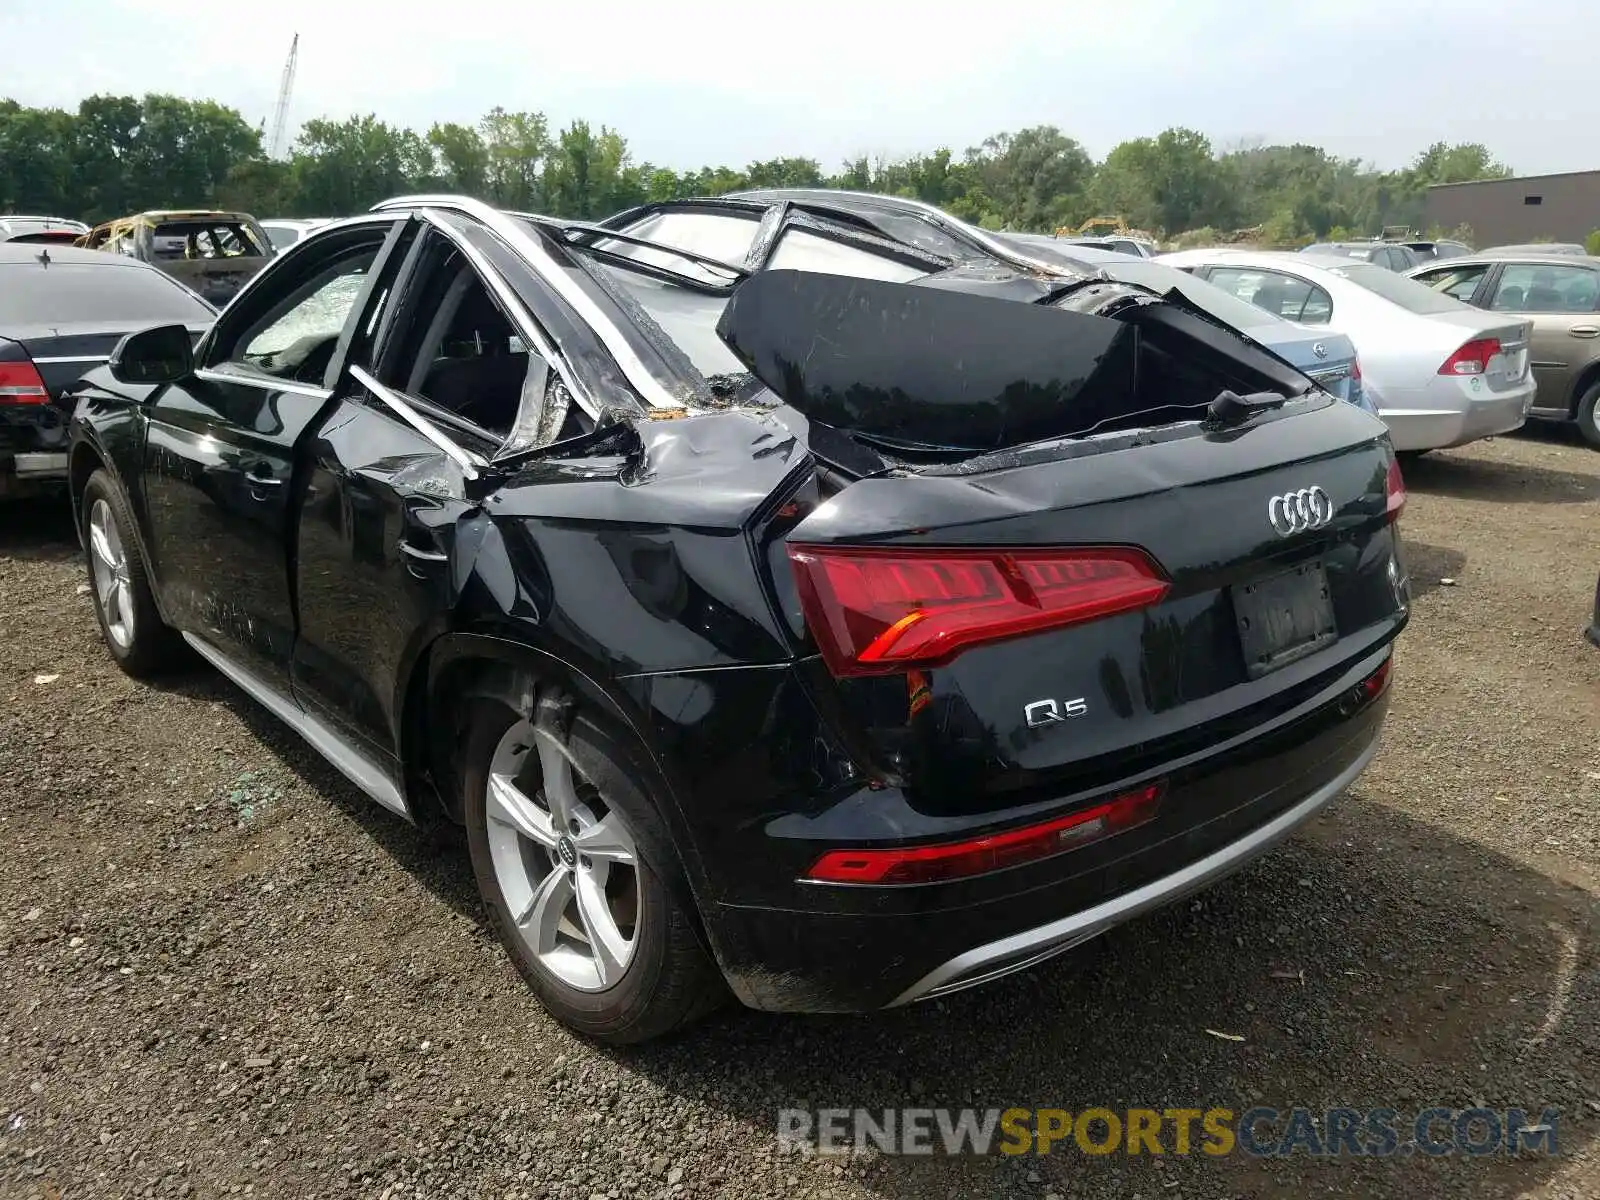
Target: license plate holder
pixel 1284 617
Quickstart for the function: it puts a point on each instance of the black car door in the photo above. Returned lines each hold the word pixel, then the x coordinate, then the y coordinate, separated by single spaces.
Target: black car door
pixel 220 455
pixel 392 470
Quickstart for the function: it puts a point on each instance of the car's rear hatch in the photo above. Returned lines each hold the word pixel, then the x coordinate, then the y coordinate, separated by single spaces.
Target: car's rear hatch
pixel 1003 628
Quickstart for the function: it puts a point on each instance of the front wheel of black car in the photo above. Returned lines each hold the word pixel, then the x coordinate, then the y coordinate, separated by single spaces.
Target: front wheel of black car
pixel 585 916
pixel 140 642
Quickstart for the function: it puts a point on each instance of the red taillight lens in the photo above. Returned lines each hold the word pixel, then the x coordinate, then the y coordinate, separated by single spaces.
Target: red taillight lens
pixel 1394 490
pixel 1373 685
pixel 20 384
pixel 874 610
pixel 979 856
pixel 1472 359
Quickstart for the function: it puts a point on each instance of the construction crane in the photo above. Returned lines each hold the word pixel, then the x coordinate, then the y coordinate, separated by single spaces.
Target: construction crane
pixel 280 115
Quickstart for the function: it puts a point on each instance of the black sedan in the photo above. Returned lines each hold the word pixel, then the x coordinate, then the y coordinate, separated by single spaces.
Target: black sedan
pixel 61 312
pixel 797 613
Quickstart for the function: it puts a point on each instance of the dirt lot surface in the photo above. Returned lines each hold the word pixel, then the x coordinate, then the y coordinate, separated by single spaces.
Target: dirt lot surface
pixel 223 972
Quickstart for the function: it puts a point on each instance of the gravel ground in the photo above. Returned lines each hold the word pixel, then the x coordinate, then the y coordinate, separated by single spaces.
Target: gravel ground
pixel 222 972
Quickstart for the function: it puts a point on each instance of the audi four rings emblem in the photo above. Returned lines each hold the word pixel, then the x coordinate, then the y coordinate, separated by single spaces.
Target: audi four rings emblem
pixel 1298 512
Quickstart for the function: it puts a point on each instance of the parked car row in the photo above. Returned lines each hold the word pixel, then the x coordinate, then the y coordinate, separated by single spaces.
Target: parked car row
pixel 1440 372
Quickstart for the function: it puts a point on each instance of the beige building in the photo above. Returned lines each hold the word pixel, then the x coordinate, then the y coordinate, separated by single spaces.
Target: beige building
pixel 1559 208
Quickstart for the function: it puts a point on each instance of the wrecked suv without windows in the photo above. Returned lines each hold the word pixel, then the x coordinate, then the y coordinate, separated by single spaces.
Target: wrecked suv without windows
pixel 212 253
pixel 820 621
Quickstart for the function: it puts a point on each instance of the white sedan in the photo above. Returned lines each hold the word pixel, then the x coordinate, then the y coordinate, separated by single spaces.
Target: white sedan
pixel 1442 373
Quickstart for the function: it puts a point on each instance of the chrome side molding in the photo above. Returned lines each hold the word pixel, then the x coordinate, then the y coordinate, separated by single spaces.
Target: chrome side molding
pixel 356 766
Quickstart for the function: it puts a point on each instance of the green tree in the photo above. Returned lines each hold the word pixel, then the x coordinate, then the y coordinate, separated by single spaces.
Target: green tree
pixel 517 144
pixel 347 166
pixel 1034 178
pixel 463 158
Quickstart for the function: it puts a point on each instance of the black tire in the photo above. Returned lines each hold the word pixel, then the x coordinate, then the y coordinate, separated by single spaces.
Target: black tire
pixel 153 646
pixel 670 980
pixel 1588 415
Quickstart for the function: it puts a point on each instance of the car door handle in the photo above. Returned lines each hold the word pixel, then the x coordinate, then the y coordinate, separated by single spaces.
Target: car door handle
pixel 420 555
pixel 1584 331
pixel 260 481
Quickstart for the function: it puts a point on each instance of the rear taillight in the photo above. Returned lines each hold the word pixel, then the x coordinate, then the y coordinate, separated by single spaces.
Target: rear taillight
pixel 1394 490
pixel 20 384
pixel 1472 359
pixel 979 856
pixel 874 611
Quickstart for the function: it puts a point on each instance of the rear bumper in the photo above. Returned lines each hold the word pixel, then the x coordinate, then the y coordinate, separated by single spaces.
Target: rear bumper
pixel 1022 950
pixel 844 948
pixel 39 466
pixel 1456 424
pixel 31 473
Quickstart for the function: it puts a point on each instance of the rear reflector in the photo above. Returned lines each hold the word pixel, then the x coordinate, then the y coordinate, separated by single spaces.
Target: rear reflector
pixel 875 611
pixel 1373 685
pixel 979 856
pixel 1394 490
pixel 20 384
pixel 1472 359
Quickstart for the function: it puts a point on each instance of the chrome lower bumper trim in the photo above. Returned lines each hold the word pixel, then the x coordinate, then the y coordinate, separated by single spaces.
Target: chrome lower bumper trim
pixel 1023 950
pixel 38 466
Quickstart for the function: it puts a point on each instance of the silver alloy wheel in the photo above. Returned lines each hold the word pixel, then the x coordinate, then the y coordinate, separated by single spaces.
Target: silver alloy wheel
pixel 565 862
pixel 109 562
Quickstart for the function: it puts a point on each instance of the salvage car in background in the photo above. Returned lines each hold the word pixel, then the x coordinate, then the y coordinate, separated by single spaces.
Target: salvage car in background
pixel 1560 295
pixel 819 617
pixel 48 231
pixel 212 252
pixel 1443 248
pixel 1392 256
pixel 1537 248
pixel 62 311
pixel 1441 372
pixel 1134 247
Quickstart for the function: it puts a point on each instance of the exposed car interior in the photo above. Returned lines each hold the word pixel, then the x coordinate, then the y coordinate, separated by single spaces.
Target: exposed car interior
pixel 462 355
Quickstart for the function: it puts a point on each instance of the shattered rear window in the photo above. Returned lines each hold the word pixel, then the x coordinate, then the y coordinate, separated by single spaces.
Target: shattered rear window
pixel 714 235
pixel 689 318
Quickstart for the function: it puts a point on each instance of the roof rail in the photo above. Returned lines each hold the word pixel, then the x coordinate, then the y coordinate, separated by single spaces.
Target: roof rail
pixel 517 235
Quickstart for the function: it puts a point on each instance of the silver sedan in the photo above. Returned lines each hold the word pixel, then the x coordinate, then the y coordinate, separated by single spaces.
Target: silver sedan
pixel 1442 373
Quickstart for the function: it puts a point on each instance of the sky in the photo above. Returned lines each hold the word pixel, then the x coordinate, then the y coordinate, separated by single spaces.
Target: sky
pixel 711 82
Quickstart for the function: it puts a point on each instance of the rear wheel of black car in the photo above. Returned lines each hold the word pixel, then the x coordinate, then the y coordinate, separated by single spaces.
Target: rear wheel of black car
pixel 140 642
pixel 1588 416
pixel 554 831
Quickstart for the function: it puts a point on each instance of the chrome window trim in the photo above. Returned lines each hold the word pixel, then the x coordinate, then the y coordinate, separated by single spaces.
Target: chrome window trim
pixel 221 374
pixel 74 358
pixel 469 462
pixel 516 236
